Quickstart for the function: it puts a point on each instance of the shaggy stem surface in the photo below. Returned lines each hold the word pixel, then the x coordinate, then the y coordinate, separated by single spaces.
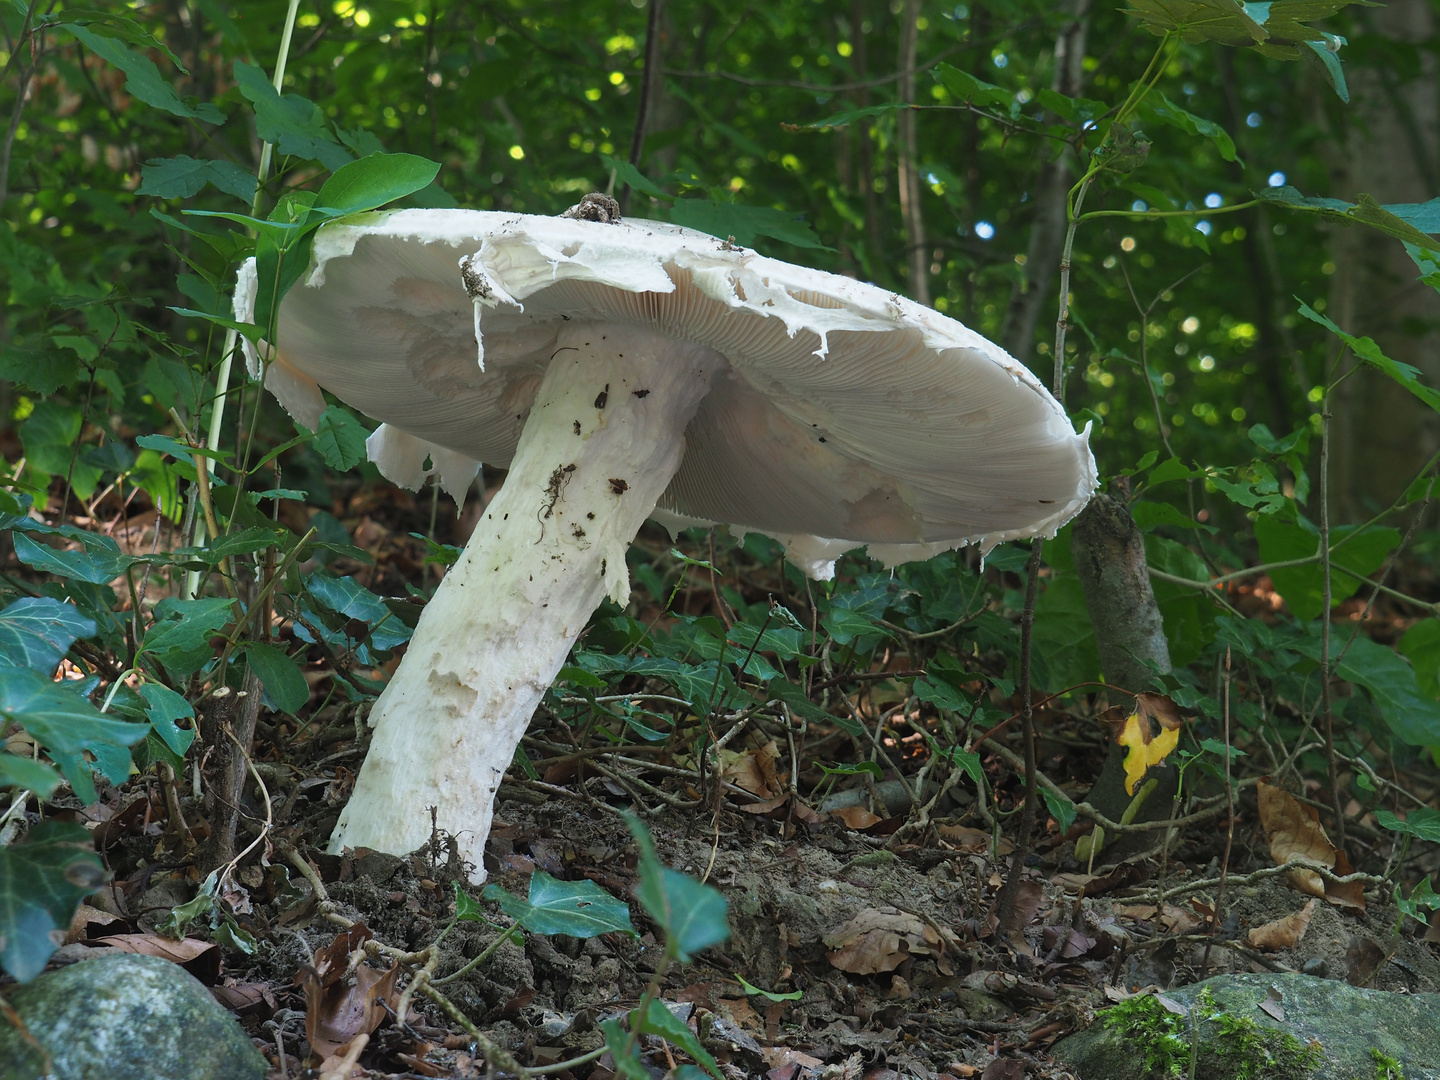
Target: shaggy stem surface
pixel 603 439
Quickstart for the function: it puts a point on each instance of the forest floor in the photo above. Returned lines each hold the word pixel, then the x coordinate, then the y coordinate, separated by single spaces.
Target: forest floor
pixel 865 935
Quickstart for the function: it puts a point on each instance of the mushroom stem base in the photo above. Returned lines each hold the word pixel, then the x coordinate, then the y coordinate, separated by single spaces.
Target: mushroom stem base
pixel 603 439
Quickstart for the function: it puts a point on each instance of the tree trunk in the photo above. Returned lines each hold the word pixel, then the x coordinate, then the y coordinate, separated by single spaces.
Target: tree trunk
pixel 1109 554
pixel 908 165
pixel 1047 233
pixel 1381 434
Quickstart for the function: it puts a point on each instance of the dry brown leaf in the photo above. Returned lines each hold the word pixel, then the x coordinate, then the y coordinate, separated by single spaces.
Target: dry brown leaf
pixel 1349 895
pixel 1362 959
pixel 754 770
pixel 1173 918
pixel 1274 1003
pixel 765 806
pixel 1295 832
pixel 344 997
pixel 200 958
pixel 1028 898
pixel 855 817
pixel 1283 933
pixel 84 916
pixel 877 940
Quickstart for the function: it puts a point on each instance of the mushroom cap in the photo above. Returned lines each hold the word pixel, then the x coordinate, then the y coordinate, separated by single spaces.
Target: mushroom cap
pixel 848 415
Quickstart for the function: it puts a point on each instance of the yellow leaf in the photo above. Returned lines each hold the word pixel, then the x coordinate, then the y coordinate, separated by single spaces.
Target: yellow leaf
pixel 1147 745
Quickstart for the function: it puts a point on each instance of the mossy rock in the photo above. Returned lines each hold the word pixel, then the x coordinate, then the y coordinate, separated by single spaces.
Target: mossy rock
pixel 1330 1031
pixel 124 1017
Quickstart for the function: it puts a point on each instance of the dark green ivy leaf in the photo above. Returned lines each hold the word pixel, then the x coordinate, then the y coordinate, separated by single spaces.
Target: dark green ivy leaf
pixel 42 881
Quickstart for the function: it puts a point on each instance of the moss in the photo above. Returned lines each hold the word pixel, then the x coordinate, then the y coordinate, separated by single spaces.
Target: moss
pixel 1386 1067
pixel 1229 1047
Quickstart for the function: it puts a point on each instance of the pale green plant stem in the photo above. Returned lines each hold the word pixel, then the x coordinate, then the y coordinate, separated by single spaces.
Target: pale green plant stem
pixel 227 355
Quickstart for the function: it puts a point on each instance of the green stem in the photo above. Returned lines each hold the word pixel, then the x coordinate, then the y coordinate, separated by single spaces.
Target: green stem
pixel 227 355
pixel 1143 215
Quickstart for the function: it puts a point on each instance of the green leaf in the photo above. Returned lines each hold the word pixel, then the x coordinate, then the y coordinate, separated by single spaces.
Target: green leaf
pixel 692 915
pixel 1273 26
pixel 42 881
pixel 293 123
pixel 1303 586
pixel 1408 222
pixel 372 182
pixel 1366 350
pixel 116 26
pixel 22 772
pixel 849 116
pixel 142 78
pixel 632 177
pixel 745 223
pixel 1421 644
pixel 346 596
pixel 66 725
pixel 35 632
pixel 1422 823
pixel 1422 898
pixel 340 438
pixel 940 694
pixel 163 707
pixel 1328 52
pixel 180 636
pixel 657 1019
pixel 1061 809
pixel 50 436
pixel 965 87
pixel 1188 614
pixel 184 176
pixel 466 909
pixel 579 909
pixel 1166 111
pixel 1412 718
pixel 100 561
pixel 794 995
pixel 43 370
pixel 280 675
pixel 627 1060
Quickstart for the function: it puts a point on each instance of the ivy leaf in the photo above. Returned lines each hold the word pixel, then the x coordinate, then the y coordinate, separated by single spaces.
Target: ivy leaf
pixel 66 725
pixel 579 909
pixel 163 707
pixel 35 632
pixel 183 176
pixel 22 772
pixel 99 562
pixel 42 881
pixel 693 915
pixel 180 636
pixel 280 675
pixel 657 1019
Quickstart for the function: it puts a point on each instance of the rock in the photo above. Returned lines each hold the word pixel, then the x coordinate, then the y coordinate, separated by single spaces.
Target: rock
pixel 124 1017
pixel 1329 1031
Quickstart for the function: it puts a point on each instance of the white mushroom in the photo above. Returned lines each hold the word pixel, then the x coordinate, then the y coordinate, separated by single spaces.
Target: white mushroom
pixel 621 371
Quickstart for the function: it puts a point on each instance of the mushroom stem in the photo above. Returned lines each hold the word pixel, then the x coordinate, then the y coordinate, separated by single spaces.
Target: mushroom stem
pixel 603 439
